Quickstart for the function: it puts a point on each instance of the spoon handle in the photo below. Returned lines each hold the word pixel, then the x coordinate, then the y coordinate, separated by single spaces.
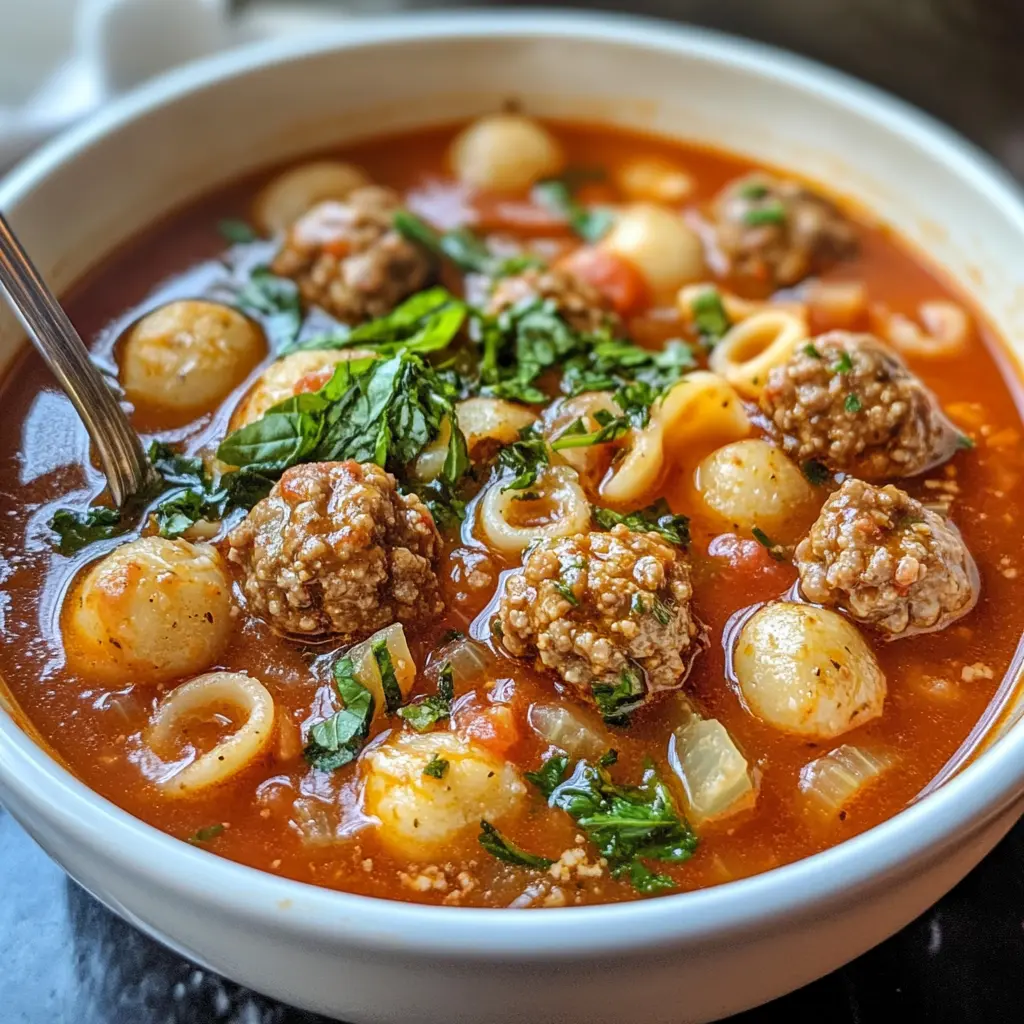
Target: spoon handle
pixel 118 446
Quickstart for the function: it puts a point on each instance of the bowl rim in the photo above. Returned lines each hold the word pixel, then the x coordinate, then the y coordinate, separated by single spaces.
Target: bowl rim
pixel 896 848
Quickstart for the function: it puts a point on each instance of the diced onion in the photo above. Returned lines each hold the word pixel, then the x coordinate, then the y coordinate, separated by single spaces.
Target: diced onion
pixel 469 659
pixel 314 821
pixel 715 775
pixel 831 782
pixel 366 671
pixel 570 729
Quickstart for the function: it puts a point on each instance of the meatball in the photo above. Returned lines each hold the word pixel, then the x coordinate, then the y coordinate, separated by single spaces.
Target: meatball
pixel 578 303
pixel 609 612
pixel 887 561
pixel 347 257
pixel 778 232
pixel 150 611
pixel 334 549
pixel 850 401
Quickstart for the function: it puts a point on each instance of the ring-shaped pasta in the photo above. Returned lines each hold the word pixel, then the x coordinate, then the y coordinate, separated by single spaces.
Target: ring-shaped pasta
pixel 736 308
pixel 750 349
pixel 701 405
pixel 944 334
pixel 233 754
pixel 556 486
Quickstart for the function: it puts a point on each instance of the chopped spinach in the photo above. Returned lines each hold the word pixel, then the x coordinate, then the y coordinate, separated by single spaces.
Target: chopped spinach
pixel 551 772
pixel 504 849
pixel 337 740
pixel 425 714
pixel 75 529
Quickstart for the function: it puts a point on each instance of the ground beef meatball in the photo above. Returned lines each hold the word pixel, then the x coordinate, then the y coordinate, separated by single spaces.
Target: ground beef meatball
pixel 887 561
pixel 609 612
pixel 347 258
pixel 849 401
pixel 578 303
pixel 335 550
pixel 778 232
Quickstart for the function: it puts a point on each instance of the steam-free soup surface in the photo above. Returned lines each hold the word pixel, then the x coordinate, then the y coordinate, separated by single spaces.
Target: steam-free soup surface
pixel 295 807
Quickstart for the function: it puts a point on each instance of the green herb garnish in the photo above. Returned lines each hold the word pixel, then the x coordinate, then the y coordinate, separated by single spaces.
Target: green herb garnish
pixel 610 428
pixel 617 701
pixel 557 195
pixel 436 767
pixel 276 301
pixel 844 364
pixel 425 714
pixel 964 443
pixel 337 740
pixel 816 472
pixel 504 849
pixel 853 404
pixel 76 529
pixel 752 190
pixel 388 679
pixel 548 776
pixel 709 316
pixel 775 550
pixel 206 833
pixel 236 231
pixel 657 518
pixel 661 611
pixel 811 350
pixel 525 458
pixel 627 824
pixel 771 213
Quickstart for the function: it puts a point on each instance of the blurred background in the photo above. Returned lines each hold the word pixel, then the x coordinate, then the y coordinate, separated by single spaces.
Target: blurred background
pixel 959 59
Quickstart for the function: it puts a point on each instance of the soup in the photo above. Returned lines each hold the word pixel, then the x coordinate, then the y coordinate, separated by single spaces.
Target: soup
pixel 541 515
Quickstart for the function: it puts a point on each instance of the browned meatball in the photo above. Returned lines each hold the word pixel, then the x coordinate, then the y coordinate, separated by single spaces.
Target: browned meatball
pixel 334 549
pixel 849 401
pixel 347 258
pixel 609 612
pixel 778 232
pixel 578 303
pixel 887 561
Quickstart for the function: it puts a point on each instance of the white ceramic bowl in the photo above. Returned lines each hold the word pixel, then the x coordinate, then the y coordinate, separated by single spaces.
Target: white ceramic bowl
pixel 688 957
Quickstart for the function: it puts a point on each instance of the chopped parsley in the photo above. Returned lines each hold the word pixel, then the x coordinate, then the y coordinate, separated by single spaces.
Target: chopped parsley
pixel 436 767
pixel 557 195
pixel 709 316
pixel 661 611
pixel 236 231
pixel 525 458
pixel 771 213
pixel 810 349
pixel 564 588
pixel 504 849
pixel 465 249
pixel 853 403
pixel 617 701
pixel 337 740
pixel 657 518
pixel 752 190
pixel 816 472
pixel 628 824
pixel 76 529
pixel 775 550
pixel 425 714
pixel 275 300
pixel 388 679
pixel 844 364
pixel 964 443
pixel 205 834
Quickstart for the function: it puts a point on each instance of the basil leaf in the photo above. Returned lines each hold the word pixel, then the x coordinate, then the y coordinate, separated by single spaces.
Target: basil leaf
pixel 657 518
pixel 504 849
pixel 425 714
pixel 76 529
pixel 436 767
pixel 276 301
pixel 525 458
pixel 273 443
pixel 388 679
pixel 550 774
pixel 337 740
pixel 465 249
pixel 616 701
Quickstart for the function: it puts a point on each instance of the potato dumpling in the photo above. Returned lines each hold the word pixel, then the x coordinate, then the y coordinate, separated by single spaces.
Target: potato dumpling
pixel 505 153
pixel 659 243
pixel 654 178
pixel 295 191
pixel 292 375
pixel 150 611
pixel 807 671
pixel 752 483
pixel 422 816
pixel 186 357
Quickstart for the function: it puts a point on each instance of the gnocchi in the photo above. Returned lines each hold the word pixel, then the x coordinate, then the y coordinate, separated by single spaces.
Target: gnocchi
pixel 505 153
pixel 150 611
pixel 751 483
pixel 186 357
pixel 807 671
pixel 421 816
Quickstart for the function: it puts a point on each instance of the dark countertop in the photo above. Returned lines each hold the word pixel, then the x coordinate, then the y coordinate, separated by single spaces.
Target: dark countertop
pixel 64 959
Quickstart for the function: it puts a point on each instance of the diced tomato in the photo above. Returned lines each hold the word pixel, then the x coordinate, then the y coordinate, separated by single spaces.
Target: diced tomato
pixel 523 216
pixel 314 381
pixel 615 278
pixel 744 570
pixel 492 726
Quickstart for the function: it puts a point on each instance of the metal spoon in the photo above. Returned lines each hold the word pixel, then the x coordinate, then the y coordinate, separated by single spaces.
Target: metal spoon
pixel 120 451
